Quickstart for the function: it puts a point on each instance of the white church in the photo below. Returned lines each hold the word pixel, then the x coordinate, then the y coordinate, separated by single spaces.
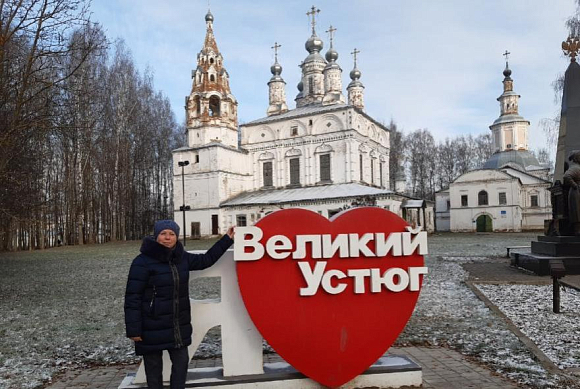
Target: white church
pixel 510 191
pixel 325 155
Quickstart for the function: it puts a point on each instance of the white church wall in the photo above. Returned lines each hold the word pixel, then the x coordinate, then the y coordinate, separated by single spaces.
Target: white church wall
pixel 203 217
pixel 505 217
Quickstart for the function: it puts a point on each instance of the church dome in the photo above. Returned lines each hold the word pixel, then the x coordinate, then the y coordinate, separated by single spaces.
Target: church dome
pixel 314 44
pixel 523 158
pixel 331 55
pixel 355 74
pixel 276 69
pixel 209 17
pixel 300 86
pixel 507 72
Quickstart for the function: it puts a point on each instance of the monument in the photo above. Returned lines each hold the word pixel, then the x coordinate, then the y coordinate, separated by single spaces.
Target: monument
pixel 557 253
pixel 329 296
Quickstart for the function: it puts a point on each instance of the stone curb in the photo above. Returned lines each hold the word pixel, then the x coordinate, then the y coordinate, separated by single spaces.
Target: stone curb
pixel 546 362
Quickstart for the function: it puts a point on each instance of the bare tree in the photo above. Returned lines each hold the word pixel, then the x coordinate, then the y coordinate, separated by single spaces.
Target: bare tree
pixel 421 160
pixel 85 146
pixel 396 153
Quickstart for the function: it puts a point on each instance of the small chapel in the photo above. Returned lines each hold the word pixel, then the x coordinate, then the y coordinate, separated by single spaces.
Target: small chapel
pixel 326 155
pixel 510 191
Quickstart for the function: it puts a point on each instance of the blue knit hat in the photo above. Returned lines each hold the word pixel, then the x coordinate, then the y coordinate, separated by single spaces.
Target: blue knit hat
pixel 165 225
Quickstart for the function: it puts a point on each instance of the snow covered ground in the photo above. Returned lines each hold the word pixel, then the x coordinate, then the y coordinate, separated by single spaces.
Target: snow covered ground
pixel 63 308
pixel 449 313
pixel 529 307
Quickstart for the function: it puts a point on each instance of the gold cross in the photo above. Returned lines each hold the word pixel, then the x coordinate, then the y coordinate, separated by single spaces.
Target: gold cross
pixel 313 11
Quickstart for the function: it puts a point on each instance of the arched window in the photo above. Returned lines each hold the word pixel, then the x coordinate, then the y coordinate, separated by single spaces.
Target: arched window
pixel 197 102
pixel 212 78
pixel 482 198
pixel 214 106
pixel 211 60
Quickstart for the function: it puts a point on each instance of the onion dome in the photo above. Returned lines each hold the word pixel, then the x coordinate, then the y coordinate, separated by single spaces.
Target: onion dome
pixel 355 75
pixel 331 55
pixel 209 16
pixel 314 44
pixel 507 72
pixel 276 69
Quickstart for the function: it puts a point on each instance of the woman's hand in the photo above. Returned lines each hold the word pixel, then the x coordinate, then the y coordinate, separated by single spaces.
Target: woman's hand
pixel 231 232
pixel 136 339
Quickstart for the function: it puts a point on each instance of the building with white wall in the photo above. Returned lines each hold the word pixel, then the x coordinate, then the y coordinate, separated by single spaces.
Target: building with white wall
pixel 326 155
pixel 510 191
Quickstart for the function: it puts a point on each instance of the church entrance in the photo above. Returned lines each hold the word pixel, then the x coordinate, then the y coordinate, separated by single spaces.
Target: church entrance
pixel 484 224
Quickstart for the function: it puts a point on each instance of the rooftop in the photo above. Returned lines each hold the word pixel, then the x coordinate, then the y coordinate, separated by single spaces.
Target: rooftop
pixel 313 109
pixel 523 158
pixel 281 196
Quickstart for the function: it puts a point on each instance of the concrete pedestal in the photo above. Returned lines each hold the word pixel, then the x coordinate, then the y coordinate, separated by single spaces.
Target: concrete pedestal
pixel 565 248
pixel 388 372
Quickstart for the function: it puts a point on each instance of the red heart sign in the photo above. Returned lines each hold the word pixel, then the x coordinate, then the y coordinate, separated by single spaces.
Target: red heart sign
pixel 336 331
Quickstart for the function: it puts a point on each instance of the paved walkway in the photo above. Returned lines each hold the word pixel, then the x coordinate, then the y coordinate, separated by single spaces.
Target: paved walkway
pixel 442 369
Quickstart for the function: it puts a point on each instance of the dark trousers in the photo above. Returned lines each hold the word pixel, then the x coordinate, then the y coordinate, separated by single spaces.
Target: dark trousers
pixel 154 368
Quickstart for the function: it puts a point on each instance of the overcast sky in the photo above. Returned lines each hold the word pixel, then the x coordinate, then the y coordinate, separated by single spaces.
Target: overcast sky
pixel 426 64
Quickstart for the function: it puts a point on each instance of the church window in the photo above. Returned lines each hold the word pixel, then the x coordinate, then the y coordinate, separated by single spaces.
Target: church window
pixel 448 205
pixel 197 158
pixel 534 200
pixel 211 60
pixel 502 198
pixel 241 220
pixel 381 173
pixel 212 78
pixel 267 173
pixel 197 102
pixel 464 200
pixel 214 106
pixel 325 167
pixel 372 171
pixel 295 171
pixel 482 198
pixel 310 85
pixel 294 131
pixel 361 166
pixel 328 124
pixel 310 122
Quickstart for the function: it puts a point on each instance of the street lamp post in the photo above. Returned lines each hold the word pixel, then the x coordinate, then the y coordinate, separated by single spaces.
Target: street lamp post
pixel 184 208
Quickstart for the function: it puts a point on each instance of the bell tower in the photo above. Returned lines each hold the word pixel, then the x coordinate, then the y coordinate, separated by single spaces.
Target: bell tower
pixel 211 110
pixel 510 130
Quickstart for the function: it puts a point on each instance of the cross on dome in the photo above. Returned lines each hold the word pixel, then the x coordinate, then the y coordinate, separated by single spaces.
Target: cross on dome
pixel 354 53
pixel 330 32
pixel 313 12
pixel 276 47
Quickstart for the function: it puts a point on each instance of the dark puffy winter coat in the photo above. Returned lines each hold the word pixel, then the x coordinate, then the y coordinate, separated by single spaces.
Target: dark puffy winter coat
pixel 157 306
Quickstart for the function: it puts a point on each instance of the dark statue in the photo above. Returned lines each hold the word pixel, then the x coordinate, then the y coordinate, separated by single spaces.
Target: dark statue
pixel 571 181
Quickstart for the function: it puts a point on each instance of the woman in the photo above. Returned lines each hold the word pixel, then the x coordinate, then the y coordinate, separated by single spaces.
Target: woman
pixel 157 307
